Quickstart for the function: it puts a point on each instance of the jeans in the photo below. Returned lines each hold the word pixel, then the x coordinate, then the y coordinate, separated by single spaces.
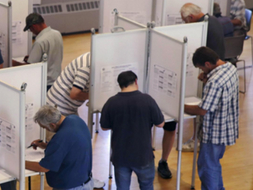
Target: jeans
pixel 9 185
pixel 145 175
pixel 87 186
pixel 209 167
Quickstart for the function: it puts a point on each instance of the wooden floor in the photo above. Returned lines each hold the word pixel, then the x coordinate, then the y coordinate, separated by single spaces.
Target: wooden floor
pixel 237 163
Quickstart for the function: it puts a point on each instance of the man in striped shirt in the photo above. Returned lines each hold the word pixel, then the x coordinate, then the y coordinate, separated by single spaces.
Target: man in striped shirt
pixel 70 91
pixel 219 110
pixel 71 88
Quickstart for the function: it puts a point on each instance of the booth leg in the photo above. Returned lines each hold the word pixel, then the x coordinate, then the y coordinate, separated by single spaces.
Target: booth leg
pixel 194 155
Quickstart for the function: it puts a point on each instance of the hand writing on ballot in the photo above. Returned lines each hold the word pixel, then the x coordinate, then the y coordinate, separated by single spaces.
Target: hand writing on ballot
pixel 38 143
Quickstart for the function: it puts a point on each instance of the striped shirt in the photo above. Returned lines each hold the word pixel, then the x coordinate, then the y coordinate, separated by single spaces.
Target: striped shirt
pixel 220 99
pixel 237 11
pixel 76 74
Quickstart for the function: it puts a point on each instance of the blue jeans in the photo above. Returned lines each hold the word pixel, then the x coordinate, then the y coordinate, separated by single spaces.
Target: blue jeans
pixel 87 186
pixel 209 168
pixel 145 175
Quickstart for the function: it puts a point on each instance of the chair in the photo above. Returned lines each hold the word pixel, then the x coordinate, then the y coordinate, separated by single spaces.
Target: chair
pixel 233 50
pixel 248 16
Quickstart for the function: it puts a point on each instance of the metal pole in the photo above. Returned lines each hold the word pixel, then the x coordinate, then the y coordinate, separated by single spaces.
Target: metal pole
pixel 195 154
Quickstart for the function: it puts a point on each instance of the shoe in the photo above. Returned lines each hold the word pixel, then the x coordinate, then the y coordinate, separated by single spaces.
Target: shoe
pixel 98 184
pixel 164 170
pixel 189 146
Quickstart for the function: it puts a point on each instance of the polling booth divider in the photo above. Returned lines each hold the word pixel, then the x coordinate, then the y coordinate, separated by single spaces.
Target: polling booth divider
pixel 12 133
pixel 131 50
pixel 6 33
pixel 167 72
pixel 35 78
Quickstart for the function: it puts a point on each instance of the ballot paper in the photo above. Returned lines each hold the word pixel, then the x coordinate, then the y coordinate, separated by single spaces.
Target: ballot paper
pixel 34 155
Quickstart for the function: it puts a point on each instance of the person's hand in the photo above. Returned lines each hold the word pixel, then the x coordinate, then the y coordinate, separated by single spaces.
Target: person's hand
pixel 203 77
pixel 26 58
pixel 38 143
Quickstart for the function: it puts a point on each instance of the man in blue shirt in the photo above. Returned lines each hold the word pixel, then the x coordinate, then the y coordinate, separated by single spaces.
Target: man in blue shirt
pixel 219 111
pixel 68 155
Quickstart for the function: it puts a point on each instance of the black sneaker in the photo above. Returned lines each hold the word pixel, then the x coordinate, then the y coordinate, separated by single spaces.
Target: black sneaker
pixel 164 170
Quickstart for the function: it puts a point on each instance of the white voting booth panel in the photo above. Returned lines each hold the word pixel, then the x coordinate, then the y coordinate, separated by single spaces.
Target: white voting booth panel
pixel 196 35
pixel 35 77
pixel 12 122
pixel 5 33
pixel 126 23
pixel 21 41
pixel 110 55
pixel 171 11
pixel 166 62
pixel 139 11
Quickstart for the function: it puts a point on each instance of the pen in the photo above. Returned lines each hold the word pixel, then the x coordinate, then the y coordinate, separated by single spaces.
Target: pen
pixel 34 144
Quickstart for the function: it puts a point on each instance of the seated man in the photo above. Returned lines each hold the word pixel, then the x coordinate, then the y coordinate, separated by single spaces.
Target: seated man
pixel 226 23
pixel 64 168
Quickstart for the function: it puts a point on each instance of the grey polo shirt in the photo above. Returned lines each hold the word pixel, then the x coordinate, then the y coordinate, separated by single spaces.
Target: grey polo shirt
pixel 48 41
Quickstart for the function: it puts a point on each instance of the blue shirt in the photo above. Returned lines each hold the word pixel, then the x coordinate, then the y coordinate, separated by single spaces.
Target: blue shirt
pixel 228 27
pixel 68 155
pixel 220 99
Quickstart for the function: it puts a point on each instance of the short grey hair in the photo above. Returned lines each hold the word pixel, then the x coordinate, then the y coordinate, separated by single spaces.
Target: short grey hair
pixel 190 8
pixel 47 114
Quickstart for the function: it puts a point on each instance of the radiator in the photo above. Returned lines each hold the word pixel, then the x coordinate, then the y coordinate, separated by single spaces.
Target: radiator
pixel 70 16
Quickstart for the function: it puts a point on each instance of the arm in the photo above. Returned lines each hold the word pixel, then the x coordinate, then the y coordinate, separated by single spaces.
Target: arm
pixel 16 63
pixel 161 124
pixel 194 110
pixel 105 129
pixel 38 143
pixel 78 94
pixel 35 166
pixel 203 77
pixel 236 22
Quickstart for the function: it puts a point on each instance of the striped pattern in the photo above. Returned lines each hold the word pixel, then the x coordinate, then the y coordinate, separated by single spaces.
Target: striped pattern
pixel 77 74
pixel 220 99
pixel 237 11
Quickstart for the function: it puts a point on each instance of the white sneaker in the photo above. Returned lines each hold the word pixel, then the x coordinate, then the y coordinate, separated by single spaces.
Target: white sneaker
pixel 189 146
pixel 98 184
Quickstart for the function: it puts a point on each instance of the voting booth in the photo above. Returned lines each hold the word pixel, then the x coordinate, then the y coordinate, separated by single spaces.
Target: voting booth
pixel 161 58
pixel 5 33
pixel 21 99
pixel 21 41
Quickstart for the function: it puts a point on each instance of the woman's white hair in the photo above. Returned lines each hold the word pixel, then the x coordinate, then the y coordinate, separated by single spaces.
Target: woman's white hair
pixel 190 8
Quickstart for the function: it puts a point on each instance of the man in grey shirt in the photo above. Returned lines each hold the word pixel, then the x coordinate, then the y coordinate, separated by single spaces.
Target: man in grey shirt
pixel 47 41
